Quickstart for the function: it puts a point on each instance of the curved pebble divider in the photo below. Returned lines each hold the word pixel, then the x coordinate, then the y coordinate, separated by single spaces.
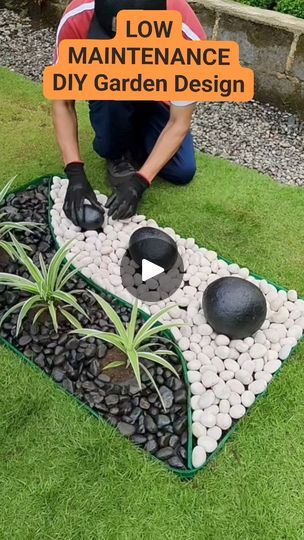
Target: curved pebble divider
pixel 225 375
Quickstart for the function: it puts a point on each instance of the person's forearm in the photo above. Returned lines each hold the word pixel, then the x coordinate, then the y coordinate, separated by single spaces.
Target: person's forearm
pixel 168 143
pixel 66 128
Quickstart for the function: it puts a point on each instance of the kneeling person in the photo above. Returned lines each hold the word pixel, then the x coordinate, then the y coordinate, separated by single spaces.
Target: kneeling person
pixel 139 139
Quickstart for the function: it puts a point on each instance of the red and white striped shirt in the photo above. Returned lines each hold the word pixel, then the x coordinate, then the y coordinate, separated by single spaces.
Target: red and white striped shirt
pixel 77 18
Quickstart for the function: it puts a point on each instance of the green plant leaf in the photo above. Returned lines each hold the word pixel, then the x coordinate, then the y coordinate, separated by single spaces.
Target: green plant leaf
pixel 18 282
pixel 43 266
pixel 112 315
pixel 10 311
pixel 72 320
pixel 6 188
pixel 115 364
pixel 154 384
pixel 151 322
pixel 158 360
pixel 156 330
pixel 134 361
pixel 27 306
pixel 53 314
pixel 27 262
pixel 38 314
pixel 132 324
pixel 104 336
pixel 8 248
pixel 68 299
pixel 55 265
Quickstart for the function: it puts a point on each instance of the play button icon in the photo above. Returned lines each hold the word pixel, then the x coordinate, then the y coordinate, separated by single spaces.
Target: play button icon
pixel 148 281
pixel 150 270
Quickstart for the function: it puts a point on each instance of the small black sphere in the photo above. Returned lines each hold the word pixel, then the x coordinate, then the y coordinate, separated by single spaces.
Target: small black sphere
pixel 234 307
pixel 153 245
pixel 93 218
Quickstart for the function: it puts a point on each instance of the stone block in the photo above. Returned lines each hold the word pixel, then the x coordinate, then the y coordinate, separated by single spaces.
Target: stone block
pixel 206 16
pixel 261 47
pixel 285 92
pixel 298 66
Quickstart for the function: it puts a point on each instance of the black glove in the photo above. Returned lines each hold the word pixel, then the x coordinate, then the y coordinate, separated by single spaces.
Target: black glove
pixel 124 201
pixel 78 190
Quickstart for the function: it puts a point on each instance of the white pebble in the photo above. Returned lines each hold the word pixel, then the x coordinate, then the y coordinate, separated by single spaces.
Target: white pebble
pixel 292 295
pixel 207 399
pixel 247 398
pixel 237 411
pixel 198 456
pixel 207 419
pixel 236 386
pixel 257 386
pixel 222 352
pixel 262 375
pixel 243 376
pixel 224 406
pixel 222 340
pixel 221 390
pixel 198 429
pixel 209 378
pixel 207 443
pixel 272 366
pixel 194 365
pixel 197 388
pixel 234 398
pixel 223 421
pixel 215 433
pixel 193 376
pixel 184 343
pixel 257 350
pixel 285 352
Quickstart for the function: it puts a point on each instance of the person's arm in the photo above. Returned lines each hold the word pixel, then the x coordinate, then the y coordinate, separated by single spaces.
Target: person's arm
pixel 79 188
pixel 66 130
pixel 169 141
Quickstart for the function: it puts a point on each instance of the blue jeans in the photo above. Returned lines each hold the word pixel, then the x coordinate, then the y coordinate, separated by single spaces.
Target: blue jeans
pixel 134 126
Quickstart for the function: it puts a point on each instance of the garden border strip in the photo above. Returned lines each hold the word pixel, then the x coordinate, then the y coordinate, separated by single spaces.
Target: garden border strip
pixel 183 474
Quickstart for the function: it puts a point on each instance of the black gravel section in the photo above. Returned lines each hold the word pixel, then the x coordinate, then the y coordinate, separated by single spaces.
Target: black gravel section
pixel 253 134
pixel 76 365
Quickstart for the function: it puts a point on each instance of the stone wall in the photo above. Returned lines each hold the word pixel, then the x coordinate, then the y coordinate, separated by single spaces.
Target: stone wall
pixel 271 43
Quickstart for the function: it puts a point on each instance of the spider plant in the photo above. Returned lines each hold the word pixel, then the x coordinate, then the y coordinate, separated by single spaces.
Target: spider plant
pixel 135 345
pixel 45 288
pixel 8 226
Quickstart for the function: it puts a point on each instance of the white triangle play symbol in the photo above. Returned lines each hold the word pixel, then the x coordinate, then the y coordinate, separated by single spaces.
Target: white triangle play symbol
pixel 150 270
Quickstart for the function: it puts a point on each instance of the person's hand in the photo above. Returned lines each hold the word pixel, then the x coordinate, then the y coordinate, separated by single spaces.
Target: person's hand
pixel 124 201
pixel 78 191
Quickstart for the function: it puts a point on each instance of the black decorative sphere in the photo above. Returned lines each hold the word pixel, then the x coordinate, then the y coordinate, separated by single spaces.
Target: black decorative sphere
pixel 234 307
pixel 93 218
pixel 153 245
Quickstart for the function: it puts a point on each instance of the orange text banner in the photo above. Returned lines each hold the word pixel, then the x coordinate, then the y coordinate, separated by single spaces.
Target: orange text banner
pixel 148 59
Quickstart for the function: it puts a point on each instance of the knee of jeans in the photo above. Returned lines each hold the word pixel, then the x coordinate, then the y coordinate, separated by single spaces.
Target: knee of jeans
pixel 186 173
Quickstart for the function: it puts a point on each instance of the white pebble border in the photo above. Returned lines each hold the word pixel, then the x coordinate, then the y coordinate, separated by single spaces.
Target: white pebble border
pixel 225 375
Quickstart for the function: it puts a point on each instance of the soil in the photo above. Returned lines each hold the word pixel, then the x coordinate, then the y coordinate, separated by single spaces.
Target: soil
pixel 77 365
pixel 121 375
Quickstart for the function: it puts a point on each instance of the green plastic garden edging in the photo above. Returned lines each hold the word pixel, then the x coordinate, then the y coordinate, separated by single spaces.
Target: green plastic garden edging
pixel 184 474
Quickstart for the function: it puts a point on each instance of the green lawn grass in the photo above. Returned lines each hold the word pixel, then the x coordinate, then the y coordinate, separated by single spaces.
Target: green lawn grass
pixel 64 475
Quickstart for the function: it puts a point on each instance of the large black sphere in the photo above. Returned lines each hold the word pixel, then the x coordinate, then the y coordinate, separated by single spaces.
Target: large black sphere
pixel 234 307
pixel 93 218
pixel 153 245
